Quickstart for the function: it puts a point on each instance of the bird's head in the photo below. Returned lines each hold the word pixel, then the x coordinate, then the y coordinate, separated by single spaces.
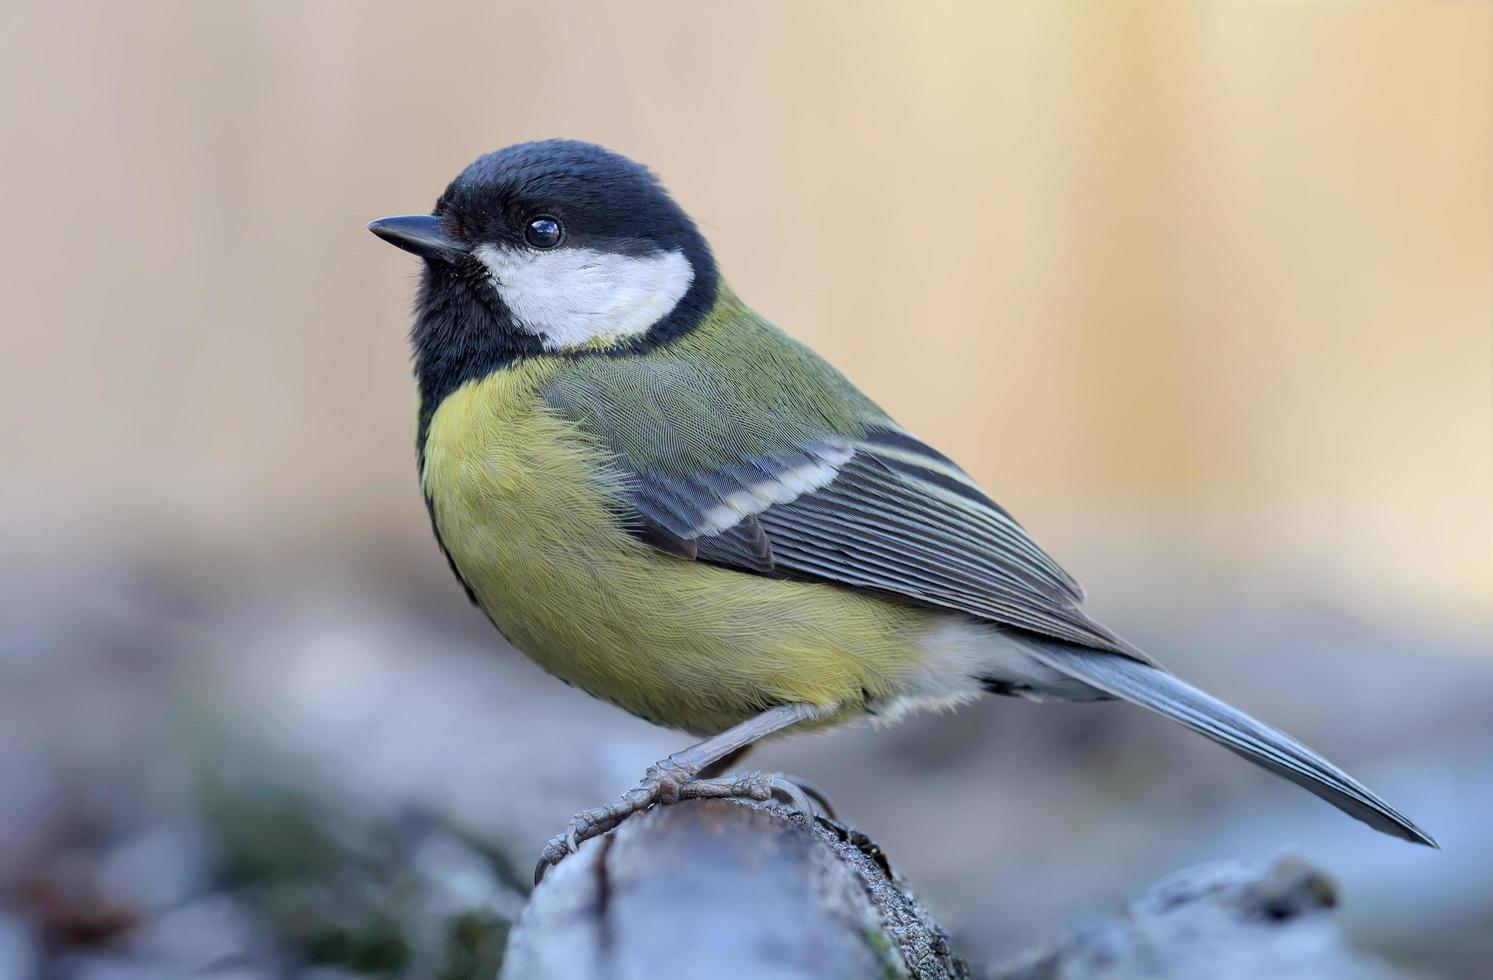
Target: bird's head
pixel 555 246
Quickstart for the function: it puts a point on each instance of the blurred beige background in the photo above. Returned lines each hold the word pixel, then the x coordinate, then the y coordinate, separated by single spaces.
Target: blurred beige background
pixel 1213 270
pixel 1202 291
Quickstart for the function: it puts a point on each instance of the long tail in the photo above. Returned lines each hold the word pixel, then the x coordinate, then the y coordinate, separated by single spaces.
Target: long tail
pixel 1153 688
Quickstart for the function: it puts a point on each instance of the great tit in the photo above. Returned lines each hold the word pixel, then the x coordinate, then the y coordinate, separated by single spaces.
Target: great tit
pixel 666 501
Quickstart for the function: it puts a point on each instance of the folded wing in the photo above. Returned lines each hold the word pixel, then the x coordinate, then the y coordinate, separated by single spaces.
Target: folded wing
pixel 871 508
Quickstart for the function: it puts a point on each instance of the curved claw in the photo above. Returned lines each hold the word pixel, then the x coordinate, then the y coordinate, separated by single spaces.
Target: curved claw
pixel 554 852
pixel 794 795
pixel 821 800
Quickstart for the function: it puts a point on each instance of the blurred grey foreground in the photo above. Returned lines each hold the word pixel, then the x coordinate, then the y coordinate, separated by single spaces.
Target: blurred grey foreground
pixel 326 778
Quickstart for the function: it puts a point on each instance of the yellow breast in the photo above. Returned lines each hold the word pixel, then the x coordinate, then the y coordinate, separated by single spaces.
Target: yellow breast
pixel 527 507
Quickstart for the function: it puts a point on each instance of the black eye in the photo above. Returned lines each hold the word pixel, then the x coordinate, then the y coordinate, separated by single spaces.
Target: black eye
pixel 543 232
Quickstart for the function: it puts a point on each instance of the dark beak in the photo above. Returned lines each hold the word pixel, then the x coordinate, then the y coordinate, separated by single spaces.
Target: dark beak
pixel 419 233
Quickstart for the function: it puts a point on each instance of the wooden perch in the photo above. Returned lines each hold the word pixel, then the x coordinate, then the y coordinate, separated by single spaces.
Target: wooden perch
pixel 726 889
pixel 731 889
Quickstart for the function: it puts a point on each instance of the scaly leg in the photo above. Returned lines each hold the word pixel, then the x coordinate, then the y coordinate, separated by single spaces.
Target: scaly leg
pixel 675 778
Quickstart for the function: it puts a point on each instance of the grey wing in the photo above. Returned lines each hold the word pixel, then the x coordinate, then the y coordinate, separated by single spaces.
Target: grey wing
pixel 901 518
pixel 884 512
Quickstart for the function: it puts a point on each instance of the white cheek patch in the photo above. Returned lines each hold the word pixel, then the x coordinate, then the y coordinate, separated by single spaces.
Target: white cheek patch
pixel 576 296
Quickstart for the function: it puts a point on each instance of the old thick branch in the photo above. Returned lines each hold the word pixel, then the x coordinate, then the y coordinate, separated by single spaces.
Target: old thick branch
pixel 744 890
pixel 726 889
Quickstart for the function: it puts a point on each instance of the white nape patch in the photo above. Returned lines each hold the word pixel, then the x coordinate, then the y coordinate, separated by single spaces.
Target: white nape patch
pixel 576 296
pixel 957 653
pixel 785 487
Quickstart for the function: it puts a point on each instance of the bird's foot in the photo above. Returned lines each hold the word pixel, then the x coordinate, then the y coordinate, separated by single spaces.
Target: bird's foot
pixel 821 802
pixel 665 783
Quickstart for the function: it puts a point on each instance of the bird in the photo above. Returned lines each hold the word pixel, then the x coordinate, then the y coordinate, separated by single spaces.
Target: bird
pixel 665 500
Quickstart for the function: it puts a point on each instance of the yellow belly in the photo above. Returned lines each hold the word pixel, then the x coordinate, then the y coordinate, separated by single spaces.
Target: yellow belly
pixel 520 499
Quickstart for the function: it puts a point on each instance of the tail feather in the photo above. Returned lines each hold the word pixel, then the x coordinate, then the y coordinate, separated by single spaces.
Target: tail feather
pixel 1153 688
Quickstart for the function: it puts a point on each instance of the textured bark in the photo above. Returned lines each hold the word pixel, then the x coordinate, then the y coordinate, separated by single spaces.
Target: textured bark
pixel 731 889
pixel 726 889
